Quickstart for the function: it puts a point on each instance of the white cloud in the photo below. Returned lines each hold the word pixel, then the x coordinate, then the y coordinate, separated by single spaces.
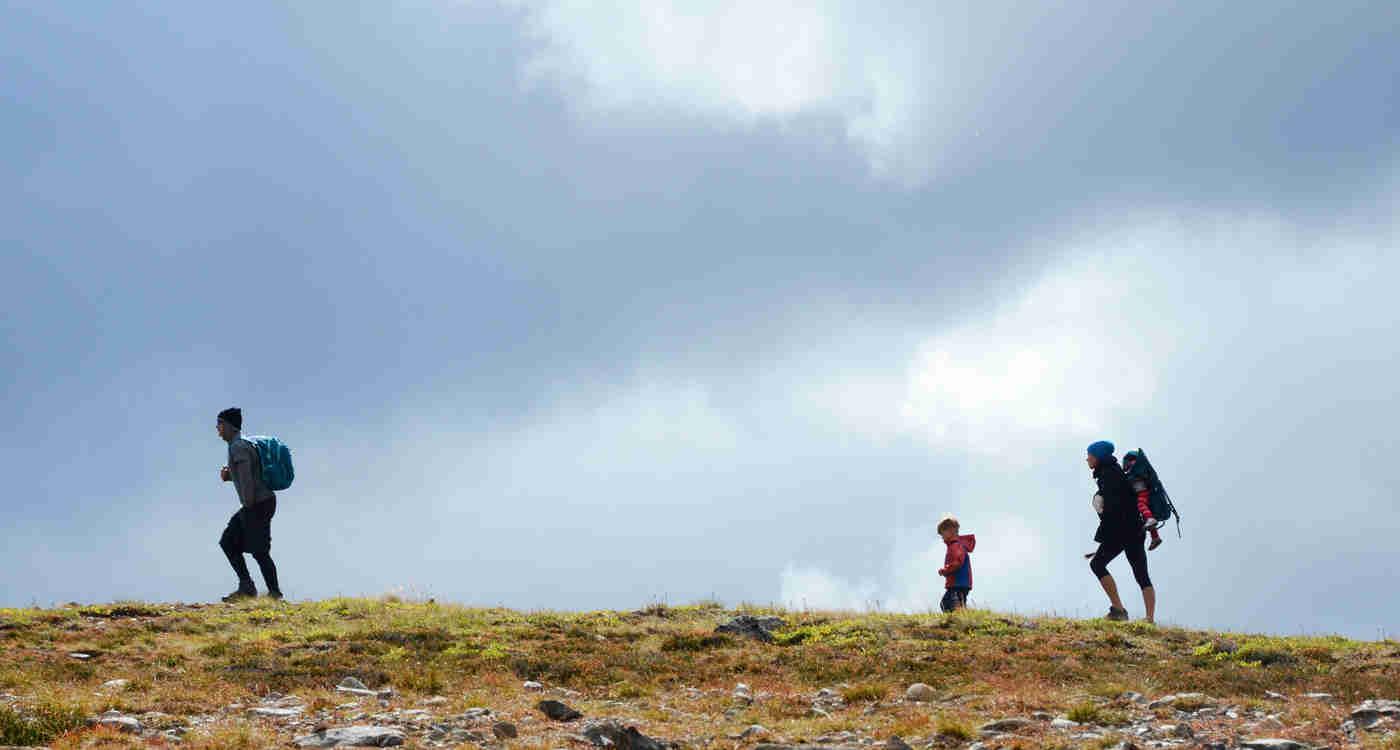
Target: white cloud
pixel 745 62
pixel 1011 555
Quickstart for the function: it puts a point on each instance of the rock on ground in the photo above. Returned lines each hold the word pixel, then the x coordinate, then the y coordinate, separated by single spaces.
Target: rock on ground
pixel 1006 725
pixel 114 720
pixel 1272 743
pixel 558 711
pixel 1372 711
pixel 358 736
pixel 802 747
pixel 748 626
pixel 353 683
pixel 919 692
pixel 276 713
pixel 613 735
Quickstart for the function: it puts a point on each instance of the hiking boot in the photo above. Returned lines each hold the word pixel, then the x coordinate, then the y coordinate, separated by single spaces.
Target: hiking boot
pixel 275 595
pixel 1117 615
pixel 240 594
pixel 1156 542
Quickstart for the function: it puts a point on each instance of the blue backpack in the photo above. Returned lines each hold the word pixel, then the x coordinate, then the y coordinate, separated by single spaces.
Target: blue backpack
pixel 277 472
pixel 1136 466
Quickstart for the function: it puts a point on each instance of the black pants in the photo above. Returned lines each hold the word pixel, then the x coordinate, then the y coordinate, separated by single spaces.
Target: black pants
pixel 1137 557
pixel 250 531
pixel 954 598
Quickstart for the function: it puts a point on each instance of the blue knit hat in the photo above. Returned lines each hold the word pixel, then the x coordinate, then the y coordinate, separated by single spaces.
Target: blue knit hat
pixel 1101 449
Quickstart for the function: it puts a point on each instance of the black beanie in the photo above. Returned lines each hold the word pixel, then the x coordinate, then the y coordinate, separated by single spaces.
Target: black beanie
pixel 233 416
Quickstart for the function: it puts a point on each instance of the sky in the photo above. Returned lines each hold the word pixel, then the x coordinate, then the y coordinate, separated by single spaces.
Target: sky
pixel 595 305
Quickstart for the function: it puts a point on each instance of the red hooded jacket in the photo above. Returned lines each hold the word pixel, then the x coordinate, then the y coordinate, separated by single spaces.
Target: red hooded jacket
pixel 957 567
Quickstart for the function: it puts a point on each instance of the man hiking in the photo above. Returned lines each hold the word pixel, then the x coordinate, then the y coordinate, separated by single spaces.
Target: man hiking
pixel 1120 530
pixel 250 529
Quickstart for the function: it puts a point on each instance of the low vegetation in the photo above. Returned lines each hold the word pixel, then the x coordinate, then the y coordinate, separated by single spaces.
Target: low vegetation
pixel 664 664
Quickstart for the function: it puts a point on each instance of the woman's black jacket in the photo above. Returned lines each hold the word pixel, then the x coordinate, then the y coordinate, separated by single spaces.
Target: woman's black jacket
pixel 1119 523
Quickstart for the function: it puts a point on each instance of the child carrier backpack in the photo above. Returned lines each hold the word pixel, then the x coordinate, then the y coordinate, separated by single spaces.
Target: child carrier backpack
pixel 1136 466
pixel 276 460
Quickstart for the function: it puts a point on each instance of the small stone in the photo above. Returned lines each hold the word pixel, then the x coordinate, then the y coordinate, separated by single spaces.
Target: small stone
pixel 1275 696
pixel 1006 725
pixel 558 711
pixel 1063 724
pixel 276 713
pixel 1183 731
pixel 353 683
pixel 1042 716
pixel 504 730
pixel 1273 743
pixel 1324 697
pixel 754 730
pixel 613 735
pixel 895 742
pixel 1372 712
pixel 532 686
pixel 80 656
pixel 115 720
pixel 919 692
pixel 436 700
pixel 356 736
pixel 819 713
pixel 116 684
pixel 1270 722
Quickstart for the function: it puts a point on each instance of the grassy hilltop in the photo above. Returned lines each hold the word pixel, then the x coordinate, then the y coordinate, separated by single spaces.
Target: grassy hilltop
pixel 193 672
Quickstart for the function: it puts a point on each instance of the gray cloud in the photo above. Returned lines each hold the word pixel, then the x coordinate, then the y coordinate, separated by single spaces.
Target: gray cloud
pixel 538 342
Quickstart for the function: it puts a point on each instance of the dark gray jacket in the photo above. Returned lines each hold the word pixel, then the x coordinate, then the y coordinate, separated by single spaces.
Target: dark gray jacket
pixel 245 469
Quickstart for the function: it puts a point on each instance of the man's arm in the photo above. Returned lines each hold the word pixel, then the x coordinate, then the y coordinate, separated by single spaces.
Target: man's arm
pixel 241 468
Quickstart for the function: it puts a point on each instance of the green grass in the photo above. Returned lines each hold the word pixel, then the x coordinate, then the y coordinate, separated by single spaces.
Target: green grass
pixel 953 728
pixel 49 720
pixel 984 665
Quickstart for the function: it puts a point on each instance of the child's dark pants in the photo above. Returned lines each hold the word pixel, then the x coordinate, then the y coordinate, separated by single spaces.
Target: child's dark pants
pixel 954 598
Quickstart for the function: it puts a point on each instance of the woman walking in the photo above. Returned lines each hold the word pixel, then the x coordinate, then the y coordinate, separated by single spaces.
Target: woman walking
pixel 1120 531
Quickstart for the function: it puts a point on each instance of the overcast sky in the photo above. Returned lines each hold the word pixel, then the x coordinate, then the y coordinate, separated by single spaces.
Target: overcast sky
pixel 582 305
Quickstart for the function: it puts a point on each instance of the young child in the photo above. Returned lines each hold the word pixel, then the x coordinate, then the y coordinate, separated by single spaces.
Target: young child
pixel 1144 491
pixel 957 564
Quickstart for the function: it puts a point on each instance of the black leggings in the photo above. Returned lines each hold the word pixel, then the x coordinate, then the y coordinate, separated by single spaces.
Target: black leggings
pixel 1137 557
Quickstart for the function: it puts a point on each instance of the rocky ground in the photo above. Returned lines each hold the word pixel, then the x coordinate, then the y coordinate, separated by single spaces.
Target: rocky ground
pixel 977 703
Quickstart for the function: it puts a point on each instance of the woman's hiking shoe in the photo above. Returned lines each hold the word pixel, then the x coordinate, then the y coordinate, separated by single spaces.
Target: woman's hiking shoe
pixel 239 595
pixel 275 595
pixel 1156 542
pixel 1117 615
